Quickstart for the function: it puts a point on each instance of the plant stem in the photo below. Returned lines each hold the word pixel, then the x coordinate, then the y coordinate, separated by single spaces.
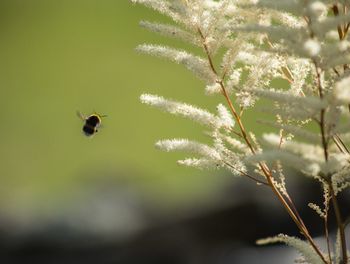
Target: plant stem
pixel 326 231
pixel 293 214
pixel 340 224
pixel 327 240
pixel 246 174
pixel 325 150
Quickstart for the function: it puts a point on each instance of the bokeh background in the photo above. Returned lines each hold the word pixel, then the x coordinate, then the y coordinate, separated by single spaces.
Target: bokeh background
pixel 58 57
pixel 113 198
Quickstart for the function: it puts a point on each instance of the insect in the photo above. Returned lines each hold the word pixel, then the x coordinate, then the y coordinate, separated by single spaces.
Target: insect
pixel 92 123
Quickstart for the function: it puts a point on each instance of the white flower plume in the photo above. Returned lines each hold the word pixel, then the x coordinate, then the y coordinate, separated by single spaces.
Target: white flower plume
pixel 303 247
pixel 197 65
pixel 188 146
pixel 196 114
pixel 295 55
pixel 342 90
pixel 312 47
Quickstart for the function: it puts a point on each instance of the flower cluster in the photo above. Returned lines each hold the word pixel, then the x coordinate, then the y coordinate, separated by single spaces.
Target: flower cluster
pixel 304 43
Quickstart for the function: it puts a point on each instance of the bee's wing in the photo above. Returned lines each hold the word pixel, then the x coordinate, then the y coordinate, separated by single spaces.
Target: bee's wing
pixel 99 114
pixel 80 115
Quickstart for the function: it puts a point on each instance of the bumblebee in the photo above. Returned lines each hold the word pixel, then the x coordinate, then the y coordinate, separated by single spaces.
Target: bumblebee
pixel 92 123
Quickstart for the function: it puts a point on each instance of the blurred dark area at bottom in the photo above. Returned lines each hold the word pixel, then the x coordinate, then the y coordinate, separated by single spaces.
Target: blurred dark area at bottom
pixel 223 232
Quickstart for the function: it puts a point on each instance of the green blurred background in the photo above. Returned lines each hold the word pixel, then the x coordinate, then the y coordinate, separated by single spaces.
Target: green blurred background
pixel 57 57
pixel 62 56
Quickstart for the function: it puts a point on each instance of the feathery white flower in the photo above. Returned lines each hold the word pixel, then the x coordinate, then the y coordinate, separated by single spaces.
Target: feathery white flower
pixel 246 57
pixel 265 19
pixel 197 65
pixel 326 24
pixel 290 20
pixel 237 145
pixel 211 4
pixel 312 153
pixel 194 113
pixel 285 157
pixel 214 88
pixel 234 48
pixel 286 98
pixel 303 247
pixel 344 45
pixel 245 99
pixel 171 31
pixel 230 159
pixel 335 163
pixel 332 35
pixel 272 139
pixel 230 10
pixel 300 69
pixel 234 77
pixel 342 90
pixel 312 47
pixel 317 209
pixel 225 117
pixel 188 146
pixel 169 8
pixel 289 6
pixel 341 179
pixel 265 41
pixel 297 131
pixel 318 9
pixel 201 164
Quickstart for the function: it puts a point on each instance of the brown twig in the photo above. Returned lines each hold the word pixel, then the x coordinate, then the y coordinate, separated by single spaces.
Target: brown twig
pixel 246 174
pixel 326 231
pixel 262 165
pixel 340 29
pixel 323 111
pixel 326 155
pixel 340 224
pixel 340 144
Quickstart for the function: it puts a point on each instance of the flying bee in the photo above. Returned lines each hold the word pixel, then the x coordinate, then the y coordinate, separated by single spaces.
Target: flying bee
pixel 92 123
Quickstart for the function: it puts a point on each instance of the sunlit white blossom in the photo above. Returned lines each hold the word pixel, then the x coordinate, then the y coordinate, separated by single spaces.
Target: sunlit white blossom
pixel 318 9
pixel 214 88
pixel 199 115
pixel 225 116
pixel 294 56
pixel 194 63
pixel 312 47
pixel 344 45
pixel 202 163
pixel 342 90
pixel 188 146
pixel 332 35
pixel 304 248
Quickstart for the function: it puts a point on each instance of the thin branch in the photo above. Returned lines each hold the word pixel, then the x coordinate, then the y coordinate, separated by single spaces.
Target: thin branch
pixel 323 111
pixel 291 203
pixel 339 223
pixel 246 174
pixel 338 145
pixel 237 133
pixel 326 230
pixel 342 143
pixel 262 165
pixel 281 139
pixel 325 150
pixel 336 13
pixel 336 72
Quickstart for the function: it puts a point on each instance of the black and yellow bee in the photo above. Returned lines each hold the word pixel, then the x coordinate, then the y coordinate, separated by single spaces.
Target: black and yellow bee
pixel 92 123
